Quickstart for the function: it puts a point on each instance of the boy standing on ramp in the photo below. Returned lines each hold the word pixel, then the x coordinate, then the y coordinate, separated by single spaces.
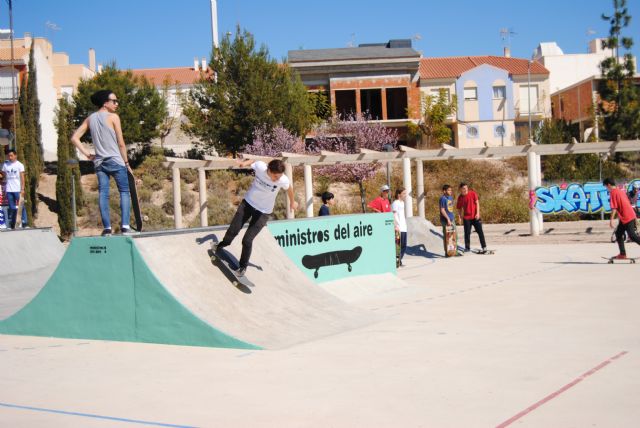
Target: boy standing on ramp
pixel 256 206
pixel 620 205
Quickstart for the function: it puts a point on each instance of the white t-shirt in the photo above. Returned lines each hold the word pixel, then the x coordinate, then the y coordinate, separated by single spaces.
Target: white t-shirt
pixel 399 215
pixel 13 171
pixel 263 191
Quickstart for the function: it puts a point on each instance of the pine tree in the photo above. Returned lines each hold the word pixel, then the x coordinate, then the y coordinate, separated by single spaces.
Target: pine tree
pixel 247 90
pixel 620 98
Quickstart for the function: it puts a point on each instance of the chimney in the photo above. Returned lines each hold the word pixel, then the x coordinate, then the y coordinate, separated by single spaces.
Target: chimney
pixel 92 60
pixel 99 68
pixel 507 52
pixel 204 63
pixel 27 40
pixel 195 63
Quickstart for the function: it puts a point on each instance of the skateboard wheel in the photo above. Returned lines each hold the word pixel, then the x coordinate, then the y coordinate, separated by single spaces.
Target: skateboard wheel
pixel 315 274
pixel 235 283
pixel 610 262
pixel 349 268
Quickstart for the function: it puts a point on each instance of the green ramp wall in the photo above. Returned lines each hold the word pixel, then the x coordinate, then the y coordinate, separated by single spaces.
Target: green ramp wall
pixel 102 289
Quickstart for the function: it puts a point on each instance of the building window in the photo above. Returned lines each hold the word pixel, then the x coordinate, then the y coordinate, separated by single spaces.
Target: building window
pixel 435 93
pixel 371 103
pixel 499 92
pixel 345 103
pixel 470 94
pixel 499 131
pixel 525 92
pixel 472 132
pixel 396 103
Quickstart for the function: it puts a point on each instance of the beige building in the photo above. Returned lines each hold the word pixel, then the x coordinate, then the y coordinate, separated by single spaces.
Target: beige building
pixel 55 78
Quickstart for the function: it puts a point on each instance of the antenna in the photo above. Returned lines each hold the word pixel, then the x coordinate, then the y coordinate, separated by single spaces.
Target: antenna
pixel 352 42
pixel 505 35
pixel 50 26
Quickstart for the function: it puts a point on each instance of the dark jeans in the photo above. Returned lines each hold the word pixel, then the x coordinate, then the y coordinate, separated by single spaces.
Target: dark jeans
pixel 403 244
pixel 257 220
pixel 630 230
pixel 14 202
pixel 477 225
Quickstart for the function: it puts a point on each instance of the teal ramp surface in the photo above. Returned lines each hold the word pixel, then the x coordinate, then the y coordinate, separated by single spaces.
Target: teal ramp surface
pixel 103 289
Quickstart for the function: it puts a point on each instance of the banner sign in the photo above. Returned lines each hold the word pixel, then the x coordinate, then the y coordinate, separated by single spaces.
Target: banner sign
pixel 335 247
pixel 580 198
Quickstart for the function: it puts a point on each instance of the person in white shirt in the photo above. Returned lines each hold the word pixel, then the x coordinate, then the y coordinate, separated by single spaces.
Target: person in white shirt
pixel 256 206
pixel 13 171
pixel 400 220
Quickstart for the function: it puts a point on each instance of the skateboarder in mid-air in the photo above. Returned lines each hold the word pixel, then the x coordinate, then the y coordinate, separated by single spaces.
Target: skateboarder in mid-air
pixel 621 206
pixel 256 206
pixel 110 159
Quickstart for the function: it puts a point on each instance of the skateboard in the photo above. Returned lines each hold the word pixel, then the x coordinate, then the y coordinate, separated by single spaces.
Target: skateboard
pixel 135 205
pixel 630 260
pixel 222 260
pixel 19 212
pixel 331 258
pixel 484 253
pixel 451 241
pixel 397 249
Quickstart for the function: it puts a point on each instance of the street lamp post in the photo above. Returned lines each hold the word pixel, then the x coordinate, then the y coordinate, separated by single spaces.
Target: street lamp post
pixel 529 97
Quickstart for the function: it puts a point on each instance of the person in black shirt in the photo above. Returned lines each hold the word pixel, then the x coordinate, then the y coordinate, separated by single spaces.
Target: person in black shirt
pixel 327 201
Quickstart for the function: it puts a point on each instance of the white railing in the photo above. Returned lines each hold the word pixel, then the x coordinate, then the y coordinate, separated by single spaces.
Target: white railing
pixel 5 93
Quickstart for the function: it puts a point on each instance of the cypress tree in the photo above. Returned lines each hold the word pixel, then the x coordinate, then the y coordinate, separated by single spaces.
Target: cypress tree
pixel 65 176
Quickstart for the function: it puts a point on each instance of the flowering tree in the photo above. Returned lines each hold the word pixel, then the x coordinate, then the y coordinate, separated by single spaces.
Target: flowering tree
pixel 349 136
pixel 274 142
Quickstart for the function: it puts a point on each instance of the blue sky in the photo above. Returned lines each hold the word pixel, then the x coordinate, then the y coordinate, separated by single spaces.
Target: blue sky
pixel 167 33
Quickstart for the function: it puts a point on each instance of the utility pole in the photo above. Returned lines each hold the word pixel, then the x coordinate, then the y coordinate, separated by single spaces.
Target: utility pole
pixel 13 76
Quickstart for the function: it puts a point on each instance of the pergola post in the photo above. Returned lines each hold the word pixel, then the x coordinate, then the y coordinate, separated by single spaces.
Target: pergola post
pixel 177 208
pixel 539 183
pixel 420 188
pixel 308 189
pixel 288 171
pixel 406 181
pixel 532 165
pixel 202 191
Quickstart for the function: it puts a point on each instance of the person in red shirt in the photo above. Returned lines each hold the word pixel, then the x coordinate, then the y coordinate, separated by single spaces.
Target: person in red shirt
pixel 381 203
pixel 468 206
pixel 621 206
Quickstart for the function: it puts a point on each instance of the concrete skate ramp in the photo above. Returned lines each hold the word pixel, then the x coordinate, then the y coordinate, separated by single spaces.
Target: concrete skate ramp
pixel 360 288
pixel 424 238
pixel 284 307
pixel 164 289
pixel 28 258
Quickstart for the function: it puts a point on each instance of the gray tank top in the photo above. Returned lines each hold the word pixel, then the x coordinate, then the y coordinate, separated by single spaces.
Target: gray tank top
pixel 104 139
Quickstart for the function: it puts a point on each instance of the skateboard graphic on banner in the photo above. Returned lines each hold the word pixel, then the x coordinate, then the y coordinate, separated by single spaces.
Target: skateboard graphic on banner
pixel 331 258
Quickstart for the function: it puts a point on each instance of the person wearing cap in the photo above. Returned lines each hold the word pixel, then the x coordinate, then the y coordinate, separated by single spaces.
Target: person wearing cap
pixel 381 203
pixel 110 159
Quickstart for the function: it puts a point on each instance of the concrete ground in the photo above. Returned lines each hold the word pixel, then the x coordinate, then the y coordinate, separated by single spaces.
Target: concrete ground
pixel 534 336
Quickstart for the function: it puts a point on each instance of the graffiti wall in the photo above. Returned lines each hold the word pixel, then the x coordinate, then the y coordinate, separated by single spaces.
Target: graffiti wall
pixel 577 198
pixel 335 247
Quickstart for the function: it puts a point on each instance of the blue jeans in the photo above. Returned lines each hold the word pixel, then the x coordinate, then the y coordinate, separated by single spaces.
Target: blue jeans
pixel 14 201
pixel 109 168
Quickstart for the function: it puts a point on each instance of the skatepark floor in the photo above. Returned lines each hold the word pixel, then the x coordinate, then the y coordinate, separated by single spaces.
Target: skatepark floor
pixel 533 336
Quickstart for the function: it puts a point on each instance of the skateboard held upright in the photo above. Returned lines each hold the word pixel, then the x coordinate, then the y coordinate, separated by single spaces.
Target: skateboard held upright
pixel 135 205
pixel 451 241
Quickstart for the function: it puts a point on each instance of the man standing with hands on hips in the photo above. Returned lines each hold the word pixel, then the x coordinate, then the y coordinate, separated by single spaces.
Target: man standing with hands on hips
pixel 110 159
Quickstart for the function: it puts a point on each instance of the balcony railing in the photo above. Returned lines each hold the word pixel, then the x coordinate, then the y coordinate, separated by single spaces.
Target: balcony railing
pixel 5 94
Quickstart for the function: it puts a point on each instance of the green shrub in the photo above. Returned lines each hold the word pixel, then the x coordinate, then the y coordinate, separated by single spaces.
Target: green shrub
pixel 155 218
pixel 189 175
pixel 187 200
pixel 144 195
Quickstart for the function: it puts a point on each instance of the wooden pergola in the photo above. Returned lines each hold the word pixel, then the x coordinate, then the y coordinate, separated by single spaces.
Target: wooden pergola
pixel 406 155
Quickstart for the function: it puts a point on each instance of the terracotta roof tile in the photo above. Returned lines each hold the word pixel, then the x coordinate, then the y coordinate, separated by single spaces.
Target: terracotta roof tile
pixel 18 53
pixel 453 67
pixel 179 75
